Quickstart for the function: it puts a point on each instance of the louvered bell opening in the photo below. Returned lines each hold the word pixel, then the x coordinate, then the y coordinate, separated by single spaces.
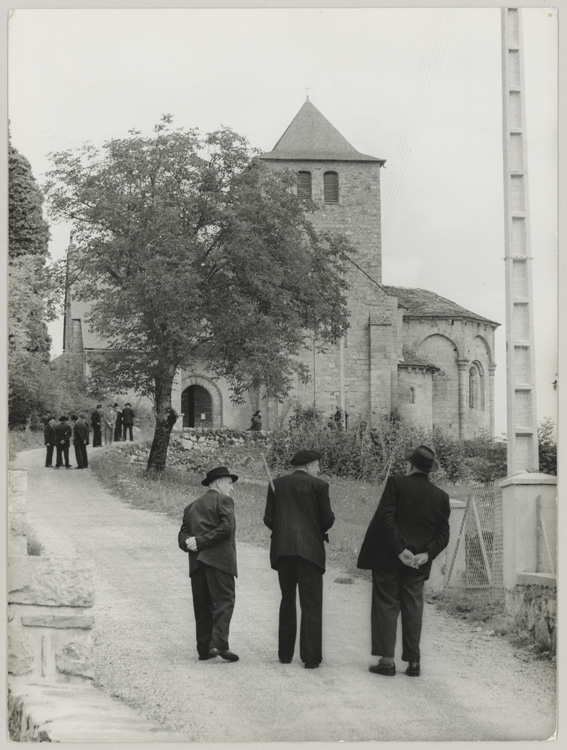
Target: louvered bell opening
pixel 331 187
pixel 304 184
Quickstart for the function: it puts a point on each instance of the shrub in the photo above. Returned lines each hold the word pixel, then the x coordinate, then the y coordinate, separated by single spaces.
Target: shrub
pixel 547 447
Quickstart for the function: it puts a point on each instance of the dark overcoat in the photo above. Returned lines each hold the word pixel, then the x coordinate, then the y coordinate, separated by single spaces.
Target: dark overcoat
pixel 80 433
pixel 49 436
pixel 210 519
pixel 63 433
pixel 127 416
pixel 413 514
pixel 298 513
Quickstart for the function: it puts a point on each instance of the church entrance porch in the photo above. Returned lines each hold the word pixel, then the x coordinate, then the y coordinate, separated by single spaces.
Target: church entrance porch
pixel 197 407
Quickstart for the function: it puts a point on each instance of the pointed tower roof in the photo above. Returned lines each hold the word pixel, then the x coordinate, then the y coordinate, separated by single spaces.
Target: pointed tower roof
pixel 310 136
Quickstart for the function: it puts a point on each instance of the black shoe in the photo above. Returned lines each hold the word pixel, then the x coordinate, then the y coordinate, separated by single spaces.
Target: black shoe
pixel 207 657
pixel 413 670
pixel 228 655
pixel 311 666
pixel 389 670
pixel 285 661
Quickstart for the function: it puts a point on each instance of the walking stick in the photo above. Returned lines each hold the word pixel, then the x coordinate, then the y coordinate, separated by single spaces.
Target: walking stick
pixel 268 473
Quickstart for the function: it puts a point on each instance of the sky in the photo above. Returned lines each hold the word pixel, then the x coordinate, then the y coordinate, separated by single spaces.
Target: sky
pixel 420 88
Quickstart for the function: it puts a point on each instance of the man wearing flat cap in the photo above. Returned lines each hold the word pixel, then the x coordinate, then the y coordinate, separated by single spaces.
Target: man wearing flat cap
pixel 208 534
pixel 298 511
pixel 409 529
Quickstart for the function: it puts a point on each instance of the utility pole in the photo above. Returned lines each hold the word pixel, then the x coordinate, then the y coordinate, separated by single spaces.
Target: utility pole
pixel 520 355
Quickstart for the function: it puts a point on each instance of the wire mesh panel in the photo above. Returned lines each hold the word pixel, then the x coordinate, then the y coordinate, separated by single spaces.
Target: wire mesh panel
pixel 546 536
pixel 474 552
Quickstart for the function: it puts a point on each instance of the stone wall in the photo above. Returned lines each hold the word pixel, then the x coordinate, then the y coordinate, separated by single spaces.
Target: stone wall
pixel 532 604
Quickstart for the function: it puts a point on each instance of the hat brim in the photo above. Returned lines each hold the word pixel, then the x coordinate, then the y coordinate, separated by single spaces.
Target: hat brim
pixel 408 457
pixel 206 481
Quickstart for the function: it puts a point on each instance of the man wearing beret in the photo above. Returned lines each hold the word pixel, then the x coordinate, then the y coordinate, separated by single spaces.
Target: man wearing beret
pixel 409 529
pixel 208 534
pixel 298 511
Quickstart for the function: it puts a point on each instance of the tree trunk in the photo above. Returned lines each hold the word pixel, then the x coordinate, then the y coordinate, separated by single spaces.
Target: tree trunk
pixel 164 422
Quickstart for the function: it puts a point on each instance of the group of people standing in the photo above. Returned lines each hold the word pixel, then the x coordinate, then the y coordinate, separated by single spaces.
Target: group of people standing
pixel 60 433
pixel 409 529
pixel 113 423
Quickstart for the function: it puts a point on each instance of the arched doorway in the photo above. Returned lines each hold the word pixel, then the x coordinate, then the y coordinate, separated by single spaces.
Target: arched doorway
pixel 197 407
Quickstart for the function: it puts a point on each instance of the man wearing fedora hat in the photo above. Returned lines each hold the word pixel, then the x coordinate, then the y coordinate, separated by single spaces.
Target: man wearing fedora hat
pixel 208 534
pixel 409 529
pixel 298 511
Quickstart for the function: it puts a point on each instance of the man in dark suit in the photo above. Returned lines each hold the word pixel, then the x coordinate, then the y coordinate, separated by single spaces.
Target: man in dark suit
pixel 63 434
pixel 208 533
pixel 298 511
pixel 80 441
pixel 127 421
pixel 50 440
pixel 96 424
pixel 408 531
pixel 118 423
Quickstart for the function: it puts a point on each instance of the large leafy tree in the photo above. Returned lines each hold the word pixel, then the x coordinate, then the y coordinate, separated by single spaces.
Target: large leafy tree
pixel 189 248
pixel 30 294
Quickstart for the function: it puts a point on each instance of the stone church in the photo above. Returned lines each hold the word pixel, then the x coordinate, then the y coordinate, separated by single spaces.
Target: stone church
pixel 408 351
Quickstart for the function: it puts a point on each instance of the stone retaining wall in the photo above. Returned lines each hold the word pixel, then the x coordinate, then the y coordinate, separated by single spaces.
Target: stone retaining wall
pixel 532 604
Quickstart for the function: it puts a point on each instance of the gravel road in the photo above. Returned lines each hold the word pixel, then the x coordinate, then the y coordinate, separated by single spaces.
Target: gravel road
pixel 474 686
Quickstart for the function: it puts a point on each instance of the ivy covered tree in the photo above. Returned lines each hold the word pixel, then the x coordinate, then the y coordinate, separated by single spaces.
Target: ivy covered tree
pixel 190 249
pixel 31 300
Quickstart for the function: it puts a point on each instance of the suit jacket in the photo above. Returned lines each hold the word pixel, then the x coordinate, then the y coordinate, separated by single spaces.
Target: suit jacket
pixel 80 434
pixel 127 416
pixel 299 514
pixel 412 514
pixel 210 519
pixel 49 436
pixel 63 433
pixel 96 418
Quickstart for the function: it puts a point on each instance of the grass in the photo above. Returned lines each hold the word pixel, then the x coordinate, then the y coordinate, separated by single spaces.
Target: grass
pixel 352 502
pixel 23 440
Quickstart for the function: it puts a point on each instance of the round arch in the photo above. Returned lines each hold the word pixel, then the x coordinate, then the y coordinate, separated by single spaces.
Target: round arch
pixel 213 392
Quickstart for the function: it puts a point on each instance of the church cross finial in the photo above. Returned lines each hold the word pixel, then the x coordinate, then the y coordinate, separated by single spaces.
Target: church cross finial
pixel 307 90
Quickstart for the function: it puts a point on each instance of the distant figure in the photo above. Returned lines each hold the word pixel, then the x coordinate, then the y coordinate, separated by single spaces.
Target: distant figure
pixel 171 417
pixel 408 531
pixel 127 421
pixel 256 422
pixel 207 533
pixel 80 441
pixel 109 424
pixel 118 423
pixel 299 515
pixel 63 434
pixel 341 419
pixel 96 424
pixel 50 440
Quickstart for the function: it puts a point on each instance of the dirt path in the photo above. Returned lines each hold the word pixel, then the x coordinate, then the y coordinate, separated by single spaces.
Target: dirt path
pixel 473 686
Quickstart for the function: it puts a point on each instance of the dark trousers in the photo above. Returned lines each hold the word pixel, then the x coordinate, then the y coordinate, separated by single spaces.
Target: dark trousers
pixel 127 427
pixel 395 591
pixel 295 572
pixel 97 436
pixel 118 432
pixel 81 455
pixel 49 455
pixel 213 604
pixel 62 453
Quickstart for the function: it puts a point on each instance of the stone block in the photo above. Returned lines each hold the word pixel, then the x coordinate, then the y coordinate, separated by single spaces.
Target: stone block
pixel 17 524
pixel 76 658
pixel 52 581
pixel 20 654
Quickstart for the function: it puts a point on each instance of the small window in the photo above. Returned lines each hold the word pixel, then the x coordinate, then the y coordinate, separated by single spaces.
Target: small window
pixel 331 187
pixel 412 395
pixel 304 184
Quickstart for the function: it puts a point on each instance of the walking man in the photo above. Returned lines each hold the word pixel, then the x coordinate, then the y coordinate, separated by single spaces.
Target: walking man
pixel 208 534
pixel 298 511
pixel 80 441
pixel 63 434
pixel 127 421
pixel 96 424
pixel 409 529
pixel 50 440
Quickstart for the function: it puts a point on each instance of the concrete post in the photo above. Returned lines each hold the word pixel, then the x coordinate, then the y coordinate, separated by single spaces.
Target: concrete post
pixel 491 369
pixel 519 519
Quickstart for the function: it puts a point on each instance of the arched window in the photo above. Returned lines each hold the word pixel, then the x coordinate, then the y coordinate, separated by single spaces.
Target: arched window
pixel 331 187
pixel 476 387
pixel 304 184
pixel 412 395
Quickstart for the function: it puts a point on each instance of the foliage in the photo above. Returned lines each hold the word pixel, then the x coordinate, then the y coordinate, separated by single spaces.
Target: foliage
pixel 373 453
pixel 32 296
pixel 191 250
pixel 547 447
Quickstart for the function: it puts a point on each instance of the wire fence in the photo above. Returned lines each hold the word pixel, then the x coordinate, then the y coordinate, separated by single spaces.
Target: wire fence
pixel 475 553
